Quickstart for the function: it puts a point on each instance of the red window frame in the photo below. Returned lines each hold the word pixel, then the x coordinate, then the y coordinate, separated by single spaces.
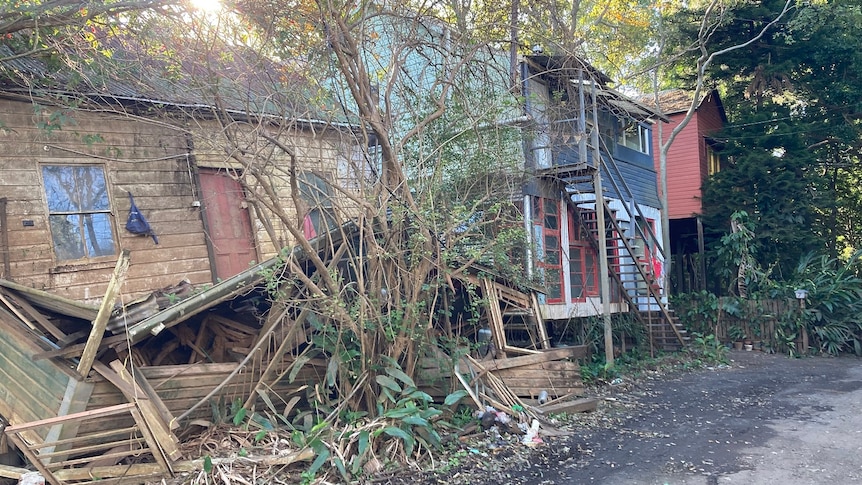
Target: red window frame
pixel 583 263
pixel 546 221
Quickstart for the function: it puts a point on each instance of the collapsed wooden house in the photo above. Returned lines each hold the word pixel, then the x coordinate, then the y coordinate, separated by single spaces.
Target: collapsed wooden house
pixel 86 404
pixel 113 341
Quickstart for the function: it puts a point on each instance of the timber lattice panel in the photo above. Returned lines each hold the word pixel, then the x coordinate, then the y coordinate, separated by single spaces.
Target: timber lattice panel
pixel 55 457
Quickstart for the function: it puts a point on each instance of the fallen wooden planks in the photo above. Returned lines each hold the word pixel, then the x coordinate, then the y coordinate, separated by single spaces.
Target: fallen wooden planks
pixel 50 456
pixel 559 353
pixel 152 469
pixel 153 410
pixel 584 405
pixel 527 376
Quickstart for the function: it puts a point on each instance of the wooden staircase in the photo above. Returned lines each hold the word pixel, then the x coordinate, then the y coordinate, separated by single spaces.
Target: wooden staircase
pixel 632 279
pixel 666 336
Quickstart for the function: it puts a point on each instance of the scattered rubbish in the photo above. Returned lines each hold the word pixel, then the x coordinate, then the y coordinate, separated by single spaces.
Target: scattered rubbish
pixel 32 478
pixel 532 435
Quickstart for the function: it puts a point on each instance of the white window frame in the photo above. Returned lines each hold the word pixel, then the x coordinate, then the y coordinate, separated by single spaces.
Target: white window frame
pixel 634 135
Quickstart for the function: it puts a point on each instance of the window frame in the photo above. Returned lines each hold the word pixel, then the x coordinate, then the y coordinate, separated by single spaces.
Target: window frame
pixel 589 273
pixel 542 228
pixel 315 190
pixel 82 228
pixel 713 161
pixel 637 132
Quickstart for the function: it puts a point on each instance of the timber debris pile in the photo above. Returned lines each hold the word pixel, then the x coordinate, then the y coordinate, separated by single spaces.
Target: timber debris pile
pixel 139 391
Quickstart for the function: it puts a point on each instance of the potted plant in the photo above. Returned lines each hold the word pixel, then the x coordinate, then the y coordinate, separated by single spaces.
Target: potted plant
pixel 756 332
pixel 736 335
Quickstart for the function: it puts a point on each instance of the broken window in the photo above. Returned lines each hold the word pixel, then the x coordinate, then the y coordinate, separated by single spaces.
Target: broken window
pixel 316 192
pixel 79 211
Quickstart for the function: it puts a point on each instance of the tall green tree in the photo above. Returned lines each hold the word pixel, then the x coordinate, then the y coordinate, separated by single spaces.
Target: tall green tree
pixel 33 28
pixel 793 142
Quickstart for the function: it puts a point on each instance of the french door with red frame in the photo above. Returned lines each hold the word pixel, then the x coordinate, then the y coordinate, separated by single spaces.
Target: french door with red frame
pixel 546 225
pixel 583 262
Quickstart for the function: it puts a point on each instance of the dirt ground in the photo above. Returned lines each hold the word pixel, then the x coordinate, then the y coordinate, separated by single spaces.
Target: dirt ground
pixel 764 419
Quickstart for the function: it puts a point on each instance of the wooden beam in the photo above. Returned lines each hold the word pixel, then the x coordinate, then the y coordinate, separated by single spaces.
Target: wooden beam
pixel 4 240
pixel 101 321
pixel 17 313
pixel 540 322
pixel 575 352
pixel 585 405
pixel 50 301
pixel 75 349
pixel 13 472
pixel 32 313
pixel 495 317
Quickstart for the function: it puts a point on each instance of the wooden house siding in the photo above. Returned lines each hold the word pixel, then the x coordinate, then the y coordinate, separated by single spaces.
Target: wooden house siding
pixel 158 164
pixel 148 159
pixel 31 390
pixel 635 180
pixel 685 167
pixel 687 158
pixel 639 179
pixel 324 152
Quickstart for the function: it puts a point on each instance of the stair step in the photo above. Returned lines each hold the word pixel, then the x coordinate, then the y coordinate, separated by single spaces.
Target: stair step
pixel 518 313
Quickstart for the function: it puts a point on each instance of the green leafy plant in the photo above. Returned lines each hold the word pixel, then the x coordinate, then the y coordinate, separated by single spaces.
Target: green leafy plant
pixel 708 349
pixel 698 311
pixel 736 333
pixel 832 314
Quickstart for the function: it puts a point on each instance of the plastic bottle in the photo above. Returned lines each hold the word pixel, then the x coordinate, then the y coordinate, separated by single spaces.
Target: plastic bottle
pixel 543 397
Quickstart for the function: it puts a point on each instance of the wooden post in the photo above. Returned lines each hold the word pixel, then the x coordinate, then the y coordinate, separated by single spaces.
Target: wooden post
pixel 4 241
pixel 701 253
pixel 804 328
pixel 95 338
pixel 601 235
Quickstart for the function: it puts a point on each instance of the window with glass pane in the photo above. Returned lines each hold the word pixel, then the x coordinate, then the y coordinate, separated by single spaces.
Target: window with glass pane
pixel 315 191
pixel 713 161
pixel 546 213
pixel 576 272
pixel 552 220
pixel 635 136
pixel 583 274
pixel 79 211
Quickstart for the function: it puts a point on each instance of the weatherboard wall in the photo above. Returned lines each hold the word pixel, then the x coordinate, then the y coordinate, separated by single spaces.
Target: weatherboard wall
pixel 687 158
pixel 146 158
pixel 32 390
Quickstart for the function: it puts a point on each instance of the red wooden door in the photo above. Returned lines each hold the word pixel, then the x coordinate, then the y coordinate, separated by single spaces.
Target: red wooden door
pixel 228 223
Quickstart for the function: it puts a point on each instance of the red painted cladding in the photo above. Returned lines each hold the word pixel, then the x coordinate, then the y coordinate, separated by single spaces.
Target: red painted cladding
pixel 687 158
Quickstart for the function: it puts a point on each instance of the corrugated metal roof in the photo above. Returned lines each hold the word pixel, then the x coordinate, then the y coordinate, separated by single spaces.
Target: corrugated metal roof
pixel 233 78
pixel 568 66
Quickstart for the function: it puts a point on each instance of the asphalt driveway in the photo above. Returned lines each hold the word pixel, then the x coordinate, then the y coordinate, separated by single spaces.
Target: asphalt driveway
pixel 764 419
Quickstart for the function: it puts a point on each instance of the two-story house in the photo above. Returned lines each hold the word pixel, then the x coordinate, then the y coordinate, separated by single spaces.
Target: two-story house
pixel 574 135
pixel 585 138
pixel 691 158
